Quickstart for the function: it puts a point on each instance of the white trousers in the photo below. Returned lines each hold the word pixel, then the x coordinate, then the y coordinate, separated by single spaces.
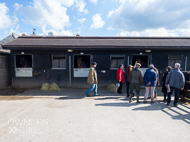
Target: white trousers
pixel 151 88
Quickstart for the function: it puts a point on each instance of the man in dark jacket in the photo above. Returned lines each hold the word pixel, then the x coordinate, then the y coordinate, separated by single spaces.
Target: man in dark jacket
pixel 135 78
pixel 176 81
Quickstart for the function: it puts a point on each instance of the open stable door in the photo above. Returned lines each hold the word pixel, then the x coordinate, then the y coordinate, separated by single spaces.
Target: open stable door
pixel 144 60
pixel 23 65
pixel 82 64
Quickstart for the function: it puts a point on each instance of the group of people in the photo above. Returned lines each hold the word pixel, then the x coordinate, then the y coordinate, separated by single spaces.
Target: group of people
pixel 134 79
pixel 173 79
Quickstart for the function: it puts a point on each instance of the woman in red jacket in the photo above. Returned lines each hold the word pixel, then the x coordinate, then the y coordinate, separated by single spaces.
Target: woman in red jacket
pixel 120 78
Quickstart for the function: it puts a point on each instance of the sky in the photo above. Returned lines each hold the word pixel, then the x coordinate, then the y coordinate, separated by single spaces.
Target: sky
pixel 95 17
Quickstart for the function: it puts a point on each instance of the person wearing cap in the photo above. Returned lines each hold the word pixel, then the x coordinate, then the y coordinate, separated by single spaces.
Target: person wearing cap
pixel 150 77
pixel 93 80
pixel 120 78
pixel 135 79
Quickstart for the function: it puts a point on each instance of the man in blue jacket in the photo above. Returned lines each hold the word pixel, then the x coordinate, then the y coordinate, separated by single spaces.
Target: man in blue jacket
pixel 176 81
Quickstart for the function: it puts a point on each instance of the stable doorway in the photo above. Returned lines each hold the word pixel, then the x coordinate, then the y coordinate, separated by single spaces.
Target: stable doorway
pixel 144 60
pixel 82 64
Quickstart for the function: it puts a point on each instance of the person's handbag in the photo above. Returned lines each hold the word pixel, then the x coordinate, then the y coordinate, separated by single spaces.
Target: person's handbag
pixel 118 85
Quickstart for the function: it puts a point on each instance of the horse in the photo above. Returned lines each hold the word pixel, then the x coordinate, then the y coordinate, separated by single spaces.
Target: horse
pixel 139 61
pixel 24 63
pixel 80 63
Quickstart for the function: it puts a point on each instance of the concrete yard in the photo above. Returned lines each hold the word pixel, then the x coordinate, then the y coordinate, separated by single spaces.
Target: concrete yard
pixel 68 116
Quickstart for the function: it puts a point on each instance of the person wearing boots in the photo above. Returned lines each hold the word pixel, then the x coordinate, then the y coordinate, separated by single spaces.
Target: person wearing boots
pixel 135 80
pixel 157 81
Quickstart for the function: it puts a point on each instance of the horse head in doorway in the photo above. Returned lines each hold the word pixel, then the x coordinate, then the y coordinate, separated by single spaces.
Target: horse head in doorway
pixel 80 63
pixel 24 63
pixel 139 61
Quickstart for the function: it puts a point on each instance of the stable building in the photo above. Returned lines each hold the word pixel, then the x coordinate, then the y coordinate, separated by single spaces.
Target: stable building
pixel 66 60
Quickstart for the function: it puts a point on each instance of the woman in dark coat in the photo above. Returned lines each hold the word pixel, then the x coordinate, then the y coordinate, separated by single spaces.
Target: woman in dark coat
pixel 127 73
pixel 164 89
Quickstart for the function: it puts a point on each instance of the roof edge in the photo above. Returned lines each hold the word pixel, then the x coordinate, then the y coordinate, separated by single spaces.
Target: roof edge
pixel 96 47
pixel 101 37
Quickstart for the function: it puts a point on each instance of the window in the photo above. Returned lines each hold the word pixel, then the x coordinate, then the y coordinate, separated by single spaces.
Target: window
pixel 58 61
pixel 172 59
pixel 81 61
pixel 23 61
pixel 116 60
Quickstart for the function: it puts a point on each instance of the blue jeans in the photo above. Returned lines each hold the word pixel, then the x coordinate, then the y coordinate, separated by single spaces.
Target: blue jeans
pixel 176 95
pixel 93 86
pixel 155 92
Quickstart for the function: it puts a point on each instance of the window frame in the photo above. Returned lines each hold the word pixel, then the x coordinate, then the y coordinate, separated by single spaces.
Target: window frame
pixel 175 58
pixel 117 56
pixel 59 64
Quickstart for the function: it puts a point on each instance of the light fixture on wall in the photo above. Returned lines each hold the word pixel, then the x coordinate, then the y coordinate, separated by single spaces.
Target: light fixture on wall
pixel 147 50
pixel 69 50
pixel 140 53
pixel 22 52
pixel 81 53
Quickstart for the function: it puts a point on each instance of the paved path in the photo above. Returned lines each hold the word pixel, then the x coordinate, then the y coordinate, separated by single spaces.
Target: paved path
pixel 68 117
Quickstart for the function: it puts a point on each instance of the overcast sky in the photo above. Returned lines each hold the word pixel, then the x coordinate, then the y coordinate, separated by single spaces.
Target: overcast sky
pixel 96 17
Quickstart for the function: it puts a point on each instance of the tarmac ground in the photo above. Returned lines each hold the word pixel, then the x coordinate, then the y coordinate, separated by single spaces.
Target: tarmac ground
pixel 68 116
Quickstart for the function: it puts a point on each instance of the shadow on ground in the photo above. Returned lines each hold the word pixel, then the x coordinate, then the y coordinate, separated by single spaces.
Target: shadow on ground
pixel 181 112
pixel 10 91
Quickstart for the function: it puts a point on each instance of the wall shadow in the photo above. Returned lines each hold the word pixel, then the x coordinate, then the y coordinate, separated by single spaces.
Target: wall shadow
pixel 181 112
pixel 123 104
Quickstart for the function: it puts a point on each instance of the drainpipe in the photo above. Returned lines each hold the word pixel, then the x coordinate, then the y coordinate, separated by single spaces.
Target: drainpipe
pixel 186 63
pixel 70 70
pixel 128 60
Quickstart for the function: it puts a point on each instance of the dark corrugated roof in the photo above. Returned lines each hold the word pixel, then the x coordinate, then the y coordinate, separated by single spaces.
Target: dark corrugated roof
pixel 33 42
